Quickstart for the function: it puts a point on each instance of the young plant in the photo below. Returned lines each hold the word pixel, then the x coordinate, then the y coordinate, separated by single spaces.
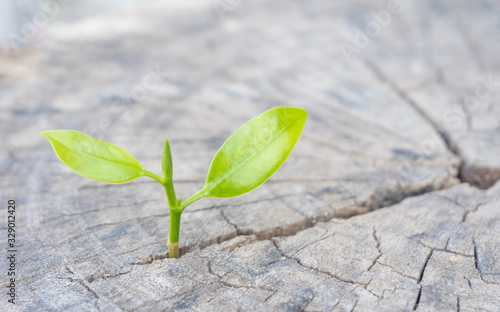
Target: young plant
pixel 246 160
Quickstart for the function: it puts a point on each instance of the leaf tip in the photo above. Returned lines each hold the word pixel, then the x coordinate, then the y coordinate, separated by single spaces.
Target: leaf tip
pixel 301 110
pixel 47 133
pixel 166 162
pixel 297 111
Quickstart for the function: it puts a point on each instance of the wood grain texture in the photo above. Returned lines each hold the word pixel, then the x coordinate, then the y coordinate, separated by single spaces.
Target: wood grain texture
pixel 377 133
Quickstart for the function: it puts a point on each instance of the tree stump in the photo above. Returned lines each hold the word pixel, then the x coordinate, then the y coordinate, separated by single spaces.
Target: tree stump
pixel 389 201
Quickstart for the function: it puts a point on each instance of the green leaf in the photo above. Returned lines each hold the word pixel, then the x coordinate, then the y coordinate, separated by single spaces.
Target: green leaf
pixel 254 152
pixel 93 158
pixel 166 161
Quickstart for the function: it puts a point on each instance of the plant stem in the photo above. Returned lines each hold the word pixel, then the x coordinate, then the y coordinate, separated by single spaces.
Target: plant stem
pixel 175 220
pixel 173 239
pixel 176 209
pixel 169 190
pixel 154 176
pixel 199 195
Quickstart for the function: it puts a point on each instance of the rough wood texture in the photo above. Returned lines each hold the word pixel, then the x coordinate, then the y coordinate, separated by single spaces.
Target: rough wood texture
pixel 375 136
pixel 438 251
pixel 455 77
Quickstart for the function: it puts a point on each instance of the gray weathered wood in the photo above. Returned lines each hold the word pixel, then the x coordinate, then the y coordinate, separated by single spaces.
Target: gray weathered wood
pixel 450 48
pixel 370 142
pixel 437 251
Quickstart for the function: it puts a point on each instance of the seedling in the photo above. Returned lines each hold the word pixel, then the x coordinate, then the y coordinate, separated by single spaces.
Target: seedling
pixel 246 160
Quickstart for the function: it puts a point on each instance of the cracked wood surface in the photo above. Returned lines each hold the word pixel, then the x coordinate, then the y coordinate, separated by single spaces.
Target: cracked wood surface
pixel 430 253
pixel 455 80
pixel 374 137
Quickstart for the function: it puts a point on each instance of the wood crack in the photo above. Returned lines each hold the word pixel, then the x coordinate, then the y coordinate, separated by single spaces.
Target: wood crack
pixel 377 245
pixel 402 94
pixel 422 271
pixel 329 274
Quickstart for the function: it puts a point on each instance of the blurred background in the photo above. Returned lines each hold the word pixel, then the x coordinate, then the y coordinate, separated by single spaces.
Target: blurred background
pixel 14 14
pixel 402 95
pixel 393 87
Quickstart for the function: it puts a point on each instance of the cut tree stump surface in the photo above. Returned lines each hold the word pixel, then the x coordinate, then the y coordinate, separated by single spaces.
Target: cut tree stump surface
pixel 389 201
